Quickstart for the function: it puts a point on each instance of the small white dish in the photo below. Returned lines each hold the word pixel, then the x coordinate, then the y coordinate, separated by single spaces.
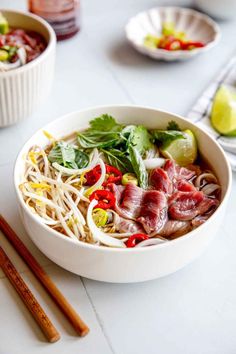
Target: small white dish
pixel 197 26
pixel 116 264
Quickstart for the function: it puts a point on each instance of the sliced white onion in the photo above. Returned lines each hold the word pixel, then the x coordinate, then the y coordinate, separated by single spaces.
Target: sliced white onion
pixel 152 153
pixel 100 180
pixel 150 164
pixel 210 188
pixel 207 176
pixel 79 171
pixel 22 55
pixel 99 235
pixel 20 61
pixel 150 242
pixel 119 235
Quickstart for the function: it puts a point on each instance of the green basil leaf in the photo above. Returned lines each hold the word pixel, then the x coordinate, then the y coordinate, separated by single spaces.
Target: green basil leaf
pixel 68 156
pixel 141 139
pixel 81 159
pixel 138 167
pixel 172 125
pixel 118 159
pixel 165 137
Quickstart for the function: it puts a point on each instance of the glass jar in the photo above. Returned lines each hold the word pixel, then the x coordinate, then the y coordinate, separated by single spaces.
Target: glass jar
pixel 63 15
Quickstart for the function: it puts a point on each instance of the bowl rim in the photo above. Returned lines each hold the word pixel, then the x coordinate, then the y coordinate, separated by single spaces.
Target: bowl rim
pixel 101 248
pixel 50 44
pixel 176 53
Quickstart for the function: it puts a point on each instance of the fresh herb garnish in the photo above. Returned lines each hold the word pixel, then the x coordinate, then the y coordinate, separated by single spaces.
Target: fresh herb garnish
pixel 139 167
pixel 123 147
pixel 165 137
pixel 104 132
pixel 81 158
pixel 97 139
pixel 141 139
pixel 68 156
pixel 105 123
pixel 172 125
pixel 118 159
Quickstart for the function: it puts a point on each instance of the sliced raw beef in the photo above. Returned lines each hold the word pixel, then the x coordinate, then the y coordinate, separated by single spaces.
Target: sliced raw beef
pixel 200 219
pixel 184 186
pixel 185 173
pixel 128 200
pixel 177 172
pixel 187 205
pixel 125 225
pixel 153 213
pixel 149 208
pixel 169 167
pixel 174 228
pixel 207 205
pixel 160 180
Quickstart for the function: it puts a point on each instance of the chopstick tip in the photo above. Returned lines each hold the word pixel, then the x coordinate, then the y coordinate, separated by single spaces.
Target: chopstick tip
pixel 55 338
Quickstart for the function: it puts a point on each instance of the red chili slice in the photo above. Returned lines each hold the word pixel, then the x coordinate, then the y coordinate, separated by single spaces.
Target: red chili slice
pixel 113 175
pixel 165 40
pixel 135 239
pixel 192 45
pixel 106 199
pixel 92 176
pixel 175 44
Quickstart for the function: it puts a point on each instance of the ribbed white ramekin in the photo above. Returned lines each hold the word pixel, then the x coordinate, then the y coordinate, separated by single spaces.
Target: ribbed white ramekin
pixel 22 90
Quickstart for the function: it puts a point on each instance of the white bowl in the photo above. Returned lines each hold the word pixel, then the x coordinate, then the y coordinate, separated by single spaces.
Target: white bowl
pixel 124 265
pixel 23 89
pixel 198 27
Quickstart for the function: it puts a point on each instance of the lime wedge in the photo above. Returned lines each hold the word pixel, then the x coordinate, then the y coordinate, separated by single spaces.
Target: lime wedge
pixel 151 41
pixel 223 113
pixel 183 151
pixel 4 28
pixel 168 28
pixel 3 55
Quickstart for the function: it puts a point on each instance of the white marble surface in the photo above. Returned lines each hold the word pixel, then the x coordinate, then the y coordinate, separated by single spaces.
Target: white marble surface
pixel 190 312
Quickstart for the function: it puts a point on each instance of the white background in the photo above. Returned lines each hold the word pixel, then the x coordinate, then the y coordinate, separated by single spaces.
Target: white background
pixel 190 312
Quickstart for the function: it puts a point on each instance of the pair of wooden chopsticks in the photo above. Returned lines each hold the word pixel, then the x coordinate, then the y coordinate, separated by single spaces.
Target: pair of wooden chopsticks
pixel 26 295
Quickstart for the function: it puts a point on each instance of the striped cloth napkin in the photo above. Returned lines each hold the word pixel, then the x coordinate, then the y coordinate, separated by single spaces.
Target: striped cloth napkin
pixel 201 110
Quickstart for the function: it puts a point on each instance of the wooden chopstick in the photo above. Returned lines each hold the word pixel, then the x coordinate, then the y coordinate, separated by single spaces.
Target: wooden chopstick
pixel 28 298
pixel 78 324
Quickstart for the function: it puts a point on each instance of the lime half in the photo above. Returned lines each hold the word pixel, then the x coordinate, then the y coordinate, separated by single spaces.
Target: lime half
pixel 4 28
pixel 223 113
pixel 183 151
